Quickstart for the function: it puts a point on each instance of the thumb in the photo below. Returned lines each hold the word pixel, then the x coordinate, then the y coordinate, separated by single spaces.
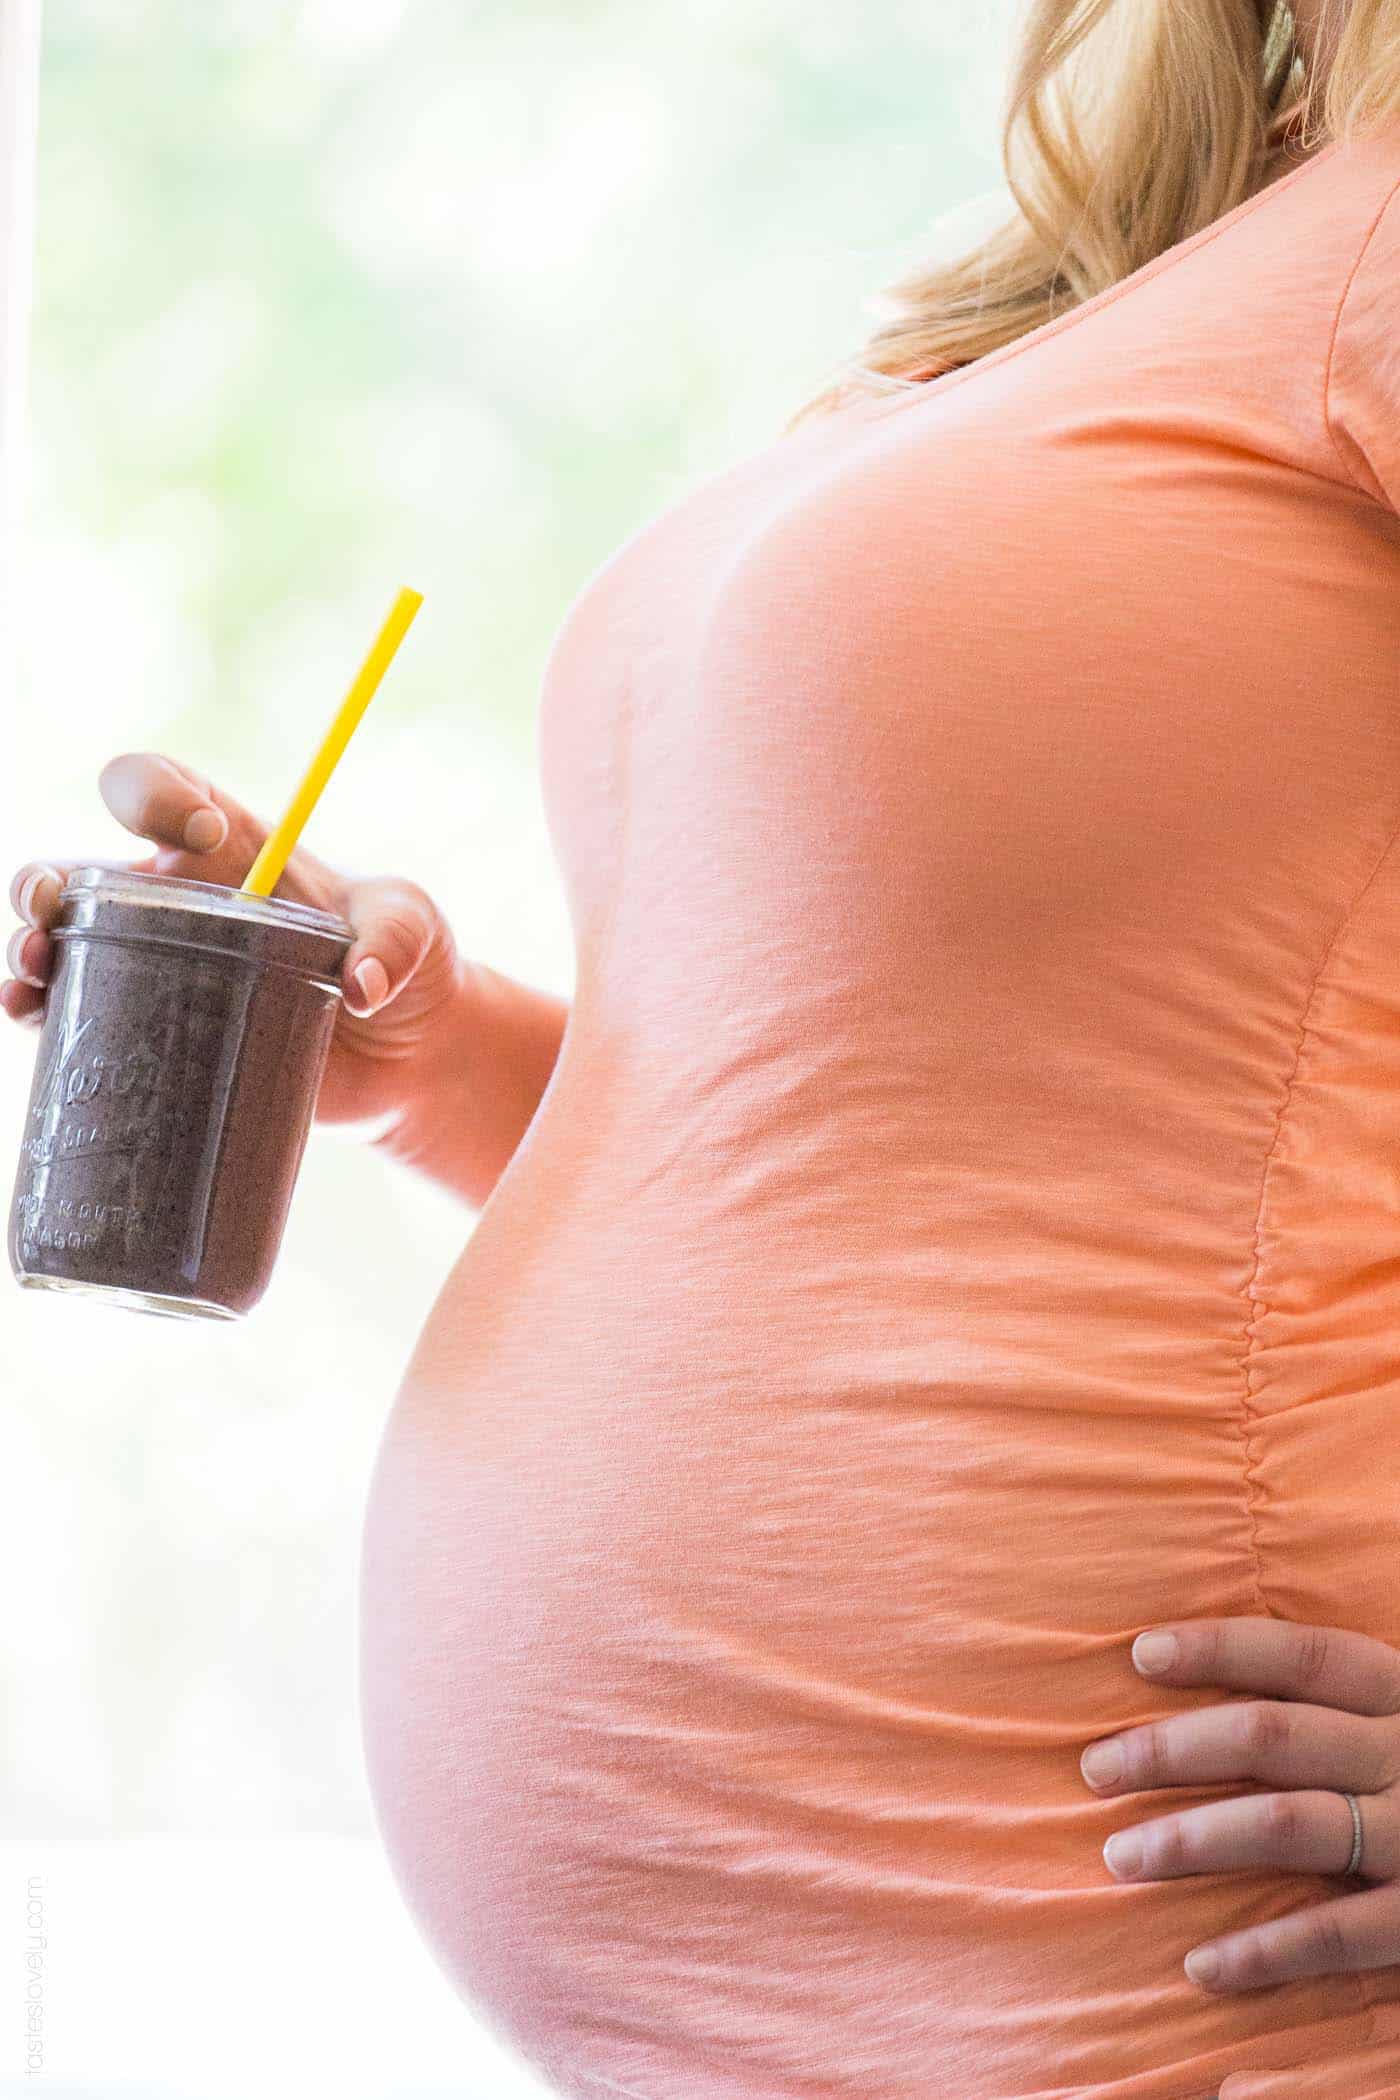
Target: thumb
pixel 396 925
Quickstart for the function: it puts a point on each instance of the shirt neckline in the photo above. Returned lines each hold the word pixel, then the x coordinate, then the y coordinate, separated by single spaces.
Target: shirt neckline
pixel 926 389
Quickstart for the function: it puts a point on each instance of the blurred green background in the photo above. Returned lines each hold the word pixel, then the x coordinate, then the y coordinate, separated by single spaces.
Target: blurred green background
pixel 332 297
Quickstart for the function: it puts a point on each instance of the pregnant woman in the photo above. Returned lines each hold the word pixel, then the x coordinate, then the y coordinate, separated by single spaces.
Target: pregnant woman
pixel 954 1229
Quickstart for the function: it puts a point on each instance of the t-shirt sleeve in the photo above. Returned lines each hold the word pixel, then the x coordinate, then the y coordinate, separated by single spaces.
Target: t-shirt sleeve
pixel 1363 382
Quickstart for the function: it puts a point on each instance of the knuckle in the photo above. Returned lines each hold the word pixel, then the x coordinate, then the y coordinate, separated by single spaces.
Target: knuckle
pixel 1209 1652
pixel 1323 1940
pixel 42 900
pixel 1142 1754
pixel 1386 1660
pixel 1253 1962
pixel 1265 1730
pixel 192 777
pixel 1159 1754
pixel 1169 1849
pixel 399 915
pixel 1316 1649
pixel 1282 1818
pixel 410 906
pixel 398 931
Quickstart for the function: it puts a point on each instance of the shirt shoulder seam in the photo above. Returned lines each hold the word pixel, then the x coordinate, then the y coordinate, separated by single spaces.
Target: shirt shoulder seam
pixel 1097 302
pixel 1335 337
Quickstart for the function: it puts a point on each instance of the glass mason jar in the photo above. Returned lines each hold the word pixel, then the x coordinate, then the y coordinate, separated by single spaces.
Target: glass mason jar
pixel 185 1033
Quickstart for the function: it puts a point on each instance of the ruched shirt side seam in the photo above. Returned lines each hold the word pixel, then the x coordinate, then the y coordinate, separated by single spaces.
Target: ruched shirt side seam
pixel 1253 1491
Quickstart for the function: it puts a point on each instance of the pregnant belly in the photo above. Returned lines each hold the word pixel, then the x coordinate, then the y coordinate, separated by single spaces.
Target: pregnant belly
pixel 733 1626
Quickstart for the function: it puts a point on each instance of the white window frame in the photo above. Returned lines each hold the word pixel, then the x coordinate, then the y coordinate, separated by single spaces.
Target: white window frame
pixel 19 96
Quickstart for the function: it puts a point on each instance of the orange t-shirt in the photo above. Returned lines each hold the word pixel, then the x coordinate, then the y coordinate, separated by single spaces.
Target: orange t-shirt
pixel 962 1228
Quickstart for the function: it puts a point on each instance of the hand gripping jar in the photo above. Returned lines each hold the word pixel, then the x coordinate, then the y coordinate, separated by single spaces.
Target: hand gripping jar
pixel 185 1033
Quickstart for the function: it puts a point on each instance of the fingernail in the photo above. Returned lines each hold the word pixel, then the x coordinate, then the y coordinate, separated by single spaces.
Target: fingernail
pixel 1203 1965
pixel 30 889
pixel 205 829
pixel 1154 1652
pixel 373 981
pixel 14 956
pixel 1101 1764
pixel 1123 1853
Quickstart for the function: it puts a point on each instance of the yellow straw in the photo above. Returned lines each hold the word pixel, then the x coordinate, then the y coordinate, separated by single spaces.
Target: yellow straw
pixel 263 876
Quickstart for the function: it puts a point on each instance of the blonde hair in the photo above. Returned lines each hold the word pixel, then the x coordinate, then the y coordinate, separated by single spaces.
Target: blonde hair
pixel 1128 126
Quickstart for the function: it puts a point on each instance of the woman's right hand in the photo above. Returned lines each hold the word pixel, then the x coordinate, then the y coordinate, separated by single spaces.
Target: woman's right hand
pixel 403 983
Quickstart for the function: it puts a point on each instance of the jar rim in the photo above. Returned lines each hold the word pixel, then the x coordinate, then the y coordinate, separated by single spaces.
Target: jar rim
pixel 216 898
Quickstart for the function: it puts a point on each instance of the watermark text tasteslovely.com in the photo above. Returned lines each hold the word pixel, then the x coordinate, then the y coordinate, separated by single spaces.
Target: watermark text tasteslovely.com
pixel 36 1951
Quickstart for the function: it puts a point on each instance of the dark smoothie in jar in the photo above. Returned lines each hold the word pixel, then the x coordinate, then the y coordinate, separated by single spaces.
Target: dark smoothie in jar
pixel 185 1033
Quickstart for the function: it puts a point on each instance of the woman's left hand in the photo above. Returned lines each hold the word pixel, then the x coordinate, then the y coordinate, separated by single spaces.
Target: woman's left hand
pixel 1329 1719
